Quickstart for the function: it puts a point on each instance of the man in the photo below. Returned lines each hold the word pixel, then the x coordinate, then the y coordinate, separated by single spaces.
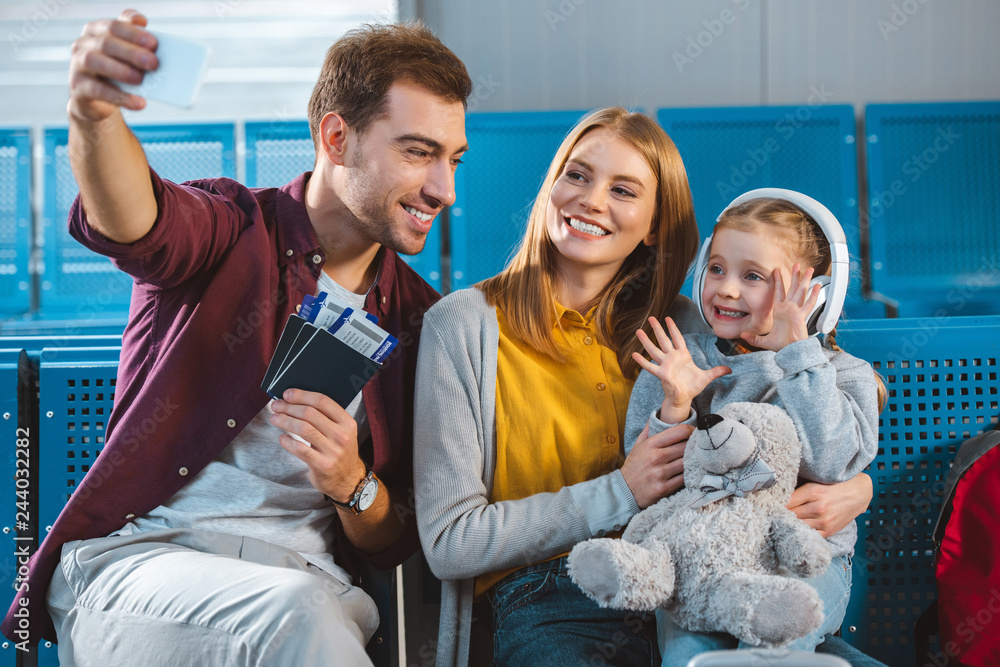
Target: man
pixel 210 539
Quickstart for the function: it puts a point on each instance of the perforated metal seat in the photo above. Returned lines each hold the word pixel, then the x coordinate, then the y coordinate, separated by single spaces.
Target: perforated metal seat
pixel 934 206
pixel 15 220
pixel 942 383
pixel 504 168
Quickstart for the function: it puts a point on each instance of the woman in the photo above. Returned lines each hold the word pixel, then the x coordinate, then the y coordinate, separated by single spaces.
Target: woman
pixel 522 388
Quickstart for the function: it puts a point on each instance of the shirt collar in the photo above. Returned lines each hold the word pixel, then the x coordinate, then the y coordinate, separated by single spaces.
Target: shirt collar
pixel 296 235
pixel 570 317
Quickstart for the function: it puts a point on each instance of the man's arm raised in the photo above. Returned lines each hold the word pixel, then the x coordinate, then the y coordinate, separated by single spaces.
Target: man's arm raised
pixel 107 160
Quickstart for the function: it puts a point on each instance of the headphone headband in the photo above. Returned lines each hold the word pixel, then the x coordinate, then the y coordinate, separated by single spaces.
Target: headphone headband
pixel 828 224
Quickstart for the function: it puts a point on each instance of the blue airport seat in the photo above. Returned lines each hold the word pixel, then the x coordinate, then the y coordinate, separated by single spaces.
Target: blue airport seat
pixel 941 376
pixel 15 220
pixel 79 285
pixel 88 323
pixel 15 513
pixel 730 150
pixel 76 390
pixel 76 386
pixel 279 150
pixel 76 382
pixel 509 154
pixel 934 206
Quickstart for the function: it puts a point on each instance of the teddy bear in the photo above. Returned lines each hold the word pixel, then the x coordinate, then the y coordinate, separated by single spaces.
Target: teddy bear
pixel 723 553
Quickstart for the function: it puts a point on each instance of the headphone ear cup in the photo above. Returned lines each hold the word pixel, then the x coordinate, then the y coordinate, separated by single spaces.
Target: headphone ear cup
pixel 824 293
pixel 698 282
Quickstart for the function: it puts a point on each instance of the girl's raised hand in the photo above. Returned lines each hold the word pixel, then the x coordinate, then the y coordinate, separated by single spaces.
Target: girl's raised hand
pixel 791 311
pixel 682 380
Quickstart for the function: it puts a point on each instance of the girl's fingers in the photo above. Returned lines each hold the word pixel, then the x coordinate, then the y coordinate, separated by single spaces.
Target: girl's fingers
pixel 661 336
pixel 813 298
pixel 644 363
pixel 651 349
pixel 779 287
pixel 795 285
pixel 675 335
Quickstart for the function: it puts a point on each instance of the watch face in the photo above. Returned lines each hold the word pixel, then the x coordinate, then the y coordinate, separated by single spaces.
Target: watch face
pixel 367 496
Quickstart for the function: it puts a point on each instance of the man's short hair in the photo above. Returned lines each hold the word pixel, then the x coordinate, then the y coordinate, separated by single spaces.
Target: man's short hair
pixel 362 65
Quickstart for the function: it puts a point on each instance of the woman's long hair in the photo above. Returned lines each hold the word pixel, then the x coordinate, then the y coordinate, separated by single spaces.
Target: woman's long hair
pixel 650 277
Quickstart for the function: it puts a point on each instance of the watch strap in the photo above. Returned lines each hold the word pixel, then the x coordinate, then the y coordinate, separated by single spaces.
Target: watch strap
pixel 352 504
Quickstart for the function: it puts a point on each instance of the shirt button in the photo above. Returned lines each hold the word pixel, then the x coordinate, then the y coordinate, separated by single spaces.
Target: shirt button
pixel 601 386
pixel 612 439
pixel 183 471
pixel 317 259
pixel 587 340
pixel 602 533
pixel 231 423
pixel 616 528
pixel 129 516
pixel 289 252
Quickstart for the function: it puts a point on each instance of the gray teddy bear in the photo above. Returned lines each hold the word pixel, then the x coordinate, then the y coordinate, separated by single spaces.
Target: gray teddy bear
pixel 723 553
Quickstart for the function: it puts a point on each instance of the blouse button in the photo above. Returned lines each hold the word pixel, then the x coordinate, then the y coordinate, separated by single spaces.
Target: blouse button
pixel 612 439
pixel 231 423
pixel 183 471
pixel 587 340
pixel 129 516
pixel 317 259
pixel 601 386
pixel 289 252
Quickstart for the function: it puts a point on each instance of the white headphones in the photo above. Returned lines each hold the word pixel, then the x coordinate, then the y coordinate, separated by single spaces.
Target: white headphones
pixel 833 287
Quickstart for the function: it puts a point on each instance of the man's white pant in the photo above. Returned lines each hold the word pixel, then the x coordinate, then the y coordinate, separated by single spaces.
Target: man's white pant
pixel 189 597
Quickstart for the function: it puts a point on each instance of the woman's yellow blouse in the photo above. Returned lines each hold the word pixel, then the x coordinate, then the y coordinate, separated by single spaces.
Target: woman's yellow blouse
pixel 558 422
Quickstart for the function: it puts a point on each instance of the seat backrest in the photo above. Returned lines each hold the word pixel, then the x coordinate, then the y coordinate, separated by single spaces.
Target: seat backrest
pixel 934 206
pixel 15 220
pixel 495 187
pixel 811 149
pixel 77 283
pixel 76 390
pixel 941 378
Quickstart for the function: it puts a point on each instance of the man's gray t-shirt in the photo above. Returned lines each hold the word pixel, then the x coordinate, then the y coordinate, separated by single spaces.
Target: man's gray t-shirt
pixel 257 489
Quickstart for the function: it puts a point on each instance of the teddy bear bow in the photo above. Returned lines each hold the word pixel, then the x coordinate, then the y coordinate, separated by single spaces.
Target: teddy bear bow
pixel 754 476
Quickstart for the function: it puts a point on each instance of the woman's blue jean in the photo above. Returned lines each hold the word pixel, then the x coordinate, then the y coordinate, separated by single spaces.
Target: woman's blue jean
pixel 678 646
pixel 540 617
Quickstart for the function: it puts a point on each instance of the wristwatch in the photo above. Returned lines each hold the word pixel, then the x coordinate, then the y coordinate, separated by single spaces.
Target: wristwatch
pixel 364 493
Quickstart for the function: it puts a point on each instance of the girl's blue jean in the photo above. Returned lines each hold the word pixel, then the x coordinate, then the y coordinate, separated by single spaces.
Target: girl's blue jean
pixel 540 617
pixel 678 646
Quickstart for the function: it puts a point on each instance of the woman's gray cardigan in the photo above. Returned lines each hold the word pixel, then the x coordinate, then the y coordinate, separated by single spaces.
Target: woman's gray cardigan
pixel 463 535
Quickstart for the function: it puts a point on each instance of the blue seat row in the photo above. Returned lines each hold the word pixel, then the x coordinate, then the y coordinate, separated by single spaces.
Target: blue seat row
pixel 59 391
pixel 925 243
pixel 940 373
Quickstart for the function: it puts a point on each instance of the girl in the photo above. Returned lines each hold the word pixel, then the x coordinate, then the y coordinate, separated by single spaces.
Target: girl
pixel 761 349
pixel 522 388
